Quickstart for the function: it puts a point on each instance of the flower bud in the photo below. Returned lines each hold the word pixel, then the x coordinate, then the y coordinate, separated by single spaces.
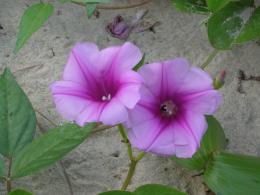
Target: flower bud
pixel 219 81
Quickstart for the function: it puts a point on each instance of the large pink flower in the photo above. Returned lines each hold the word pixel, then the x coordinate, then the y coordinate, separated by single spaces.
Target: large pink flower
pixel 169 119
pixel 98 85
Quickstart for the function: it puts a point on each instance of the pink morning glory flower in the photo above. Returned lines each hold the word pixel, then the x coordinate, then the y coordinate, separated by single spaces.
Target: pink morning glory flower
pixel 170 119
pixel 98 85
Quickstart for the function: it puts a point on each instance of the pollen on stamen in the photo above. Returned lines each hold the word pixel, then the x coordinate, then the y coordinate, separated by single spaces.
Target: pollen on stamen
pixel 106 98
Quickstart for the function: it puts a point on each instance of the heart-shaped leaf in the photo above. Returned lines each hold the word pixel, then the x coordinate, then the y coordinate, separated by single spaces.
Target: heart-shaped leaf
pixel 231 174
pixel 49 148
pixel 233 24
pixel 17 118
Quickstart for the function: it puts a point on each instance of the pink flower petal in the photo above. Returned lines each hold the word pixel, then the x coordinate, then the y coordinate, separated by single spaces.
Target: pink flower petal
pixel 205 102
pixel 167 75
pixel 195 124
pixel 81 60
pixel 90 113
pixel 195 81
pixel 129 93
pixel 143 135
pixel 114 113
pixel 70 98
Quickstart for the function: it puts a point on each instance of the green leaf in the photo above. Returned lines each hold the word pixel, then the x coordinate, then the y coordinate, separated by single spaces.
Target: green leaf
pixel 156 189
pixel 92 1
pixel 231 174
pixel 148 189
pixel 91 7
pixel 197 6
pixel 33 18
pixel 225 26
pixel 49 148
pixel 140 64
pixel 20 192
pixel 215 5
pixel 213 141
pixel 116 192
pixel 17 118
pixel 251 30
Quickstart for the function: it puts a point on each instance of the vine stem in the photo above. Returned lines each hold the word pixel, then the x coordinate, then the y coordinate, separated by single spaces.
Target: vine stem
pixel 8 179
pixel 133 160
pixel 211 56
pixel 113 7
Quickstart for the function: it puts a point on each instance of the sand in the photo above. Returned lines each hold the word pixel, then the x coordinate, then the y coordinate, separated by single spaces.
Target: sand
pixel 100 163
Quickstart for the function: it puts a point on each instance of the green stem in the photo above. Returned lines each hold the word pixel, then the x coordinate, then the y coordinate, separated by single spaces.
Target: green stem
pixel 8 179
pixel 130 174
pixel 125 139
pixel 211 56
pixel 133 160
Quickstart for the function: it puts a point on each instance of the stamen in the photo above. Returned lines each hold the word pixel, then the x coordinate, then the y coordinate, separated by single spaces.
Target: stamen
pixel 106 98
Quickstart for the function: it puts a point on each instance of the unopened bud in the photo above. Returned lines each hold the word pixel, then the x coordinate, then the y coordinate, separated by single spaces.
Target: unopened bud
pixel 219 81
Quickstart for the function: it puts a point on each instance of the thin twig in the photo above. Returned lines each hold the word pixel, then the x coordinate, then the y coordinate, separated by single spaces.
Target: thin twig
pixel 113 7
pixel 46 118
pixel 211 56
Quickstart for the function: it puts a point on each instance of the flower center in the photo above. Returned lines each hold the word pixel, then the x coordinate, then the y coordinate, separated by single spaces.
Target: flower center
pixel 106 97
pixel 168 109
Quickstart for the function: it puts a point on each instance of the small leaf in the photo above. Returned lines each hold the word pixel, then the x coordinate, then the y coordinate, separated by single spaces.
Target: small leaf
pixel 232 174
pixel 33 18
pixel 251 30
pixel 20 192
pixel 197 6
pixel 140 64
pixel 17 118
pixel 156 189
pixel 91 7
pixel 225 25
pixel 49 148
pixel 213 140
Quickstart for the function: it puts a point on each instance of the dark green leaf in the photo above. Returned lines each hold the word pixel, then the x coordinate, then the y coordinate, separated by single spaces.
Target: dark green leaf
pixel 197 6
pixel 91 7
pixel 33 18
pixel 213 141
pixel 20 192
pixel 17 118
pixel 215 5
pixel 251 30
pixel 156 189
pixel 116 192
pixel 225 25
pixel 231 174
pixel 92 1
pixel 140 64
pixel 49 148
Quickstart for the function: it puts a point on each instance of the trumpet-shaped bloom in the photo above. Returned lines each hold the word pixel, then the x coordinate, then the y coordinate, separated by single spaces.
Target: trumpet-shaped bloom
pixel 169 118
pixel 98 85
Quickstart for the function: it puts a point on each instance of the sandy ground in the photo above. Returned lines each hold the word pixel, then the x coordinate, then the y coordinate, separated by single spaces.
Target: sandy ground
pixel 100 163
